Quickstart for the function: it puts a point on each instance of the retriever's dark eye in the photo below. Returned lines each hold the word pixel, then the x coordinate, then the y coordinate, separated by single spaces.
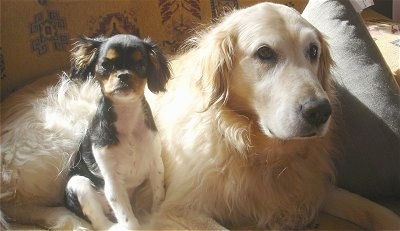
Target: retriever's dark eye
pixel 265 53
pixel 313 52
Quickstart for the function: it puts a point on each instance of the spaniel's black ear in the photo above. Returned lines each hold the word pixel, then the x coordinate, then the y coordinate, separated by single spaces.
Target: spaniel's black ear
pixel 158 72
pixel 84 56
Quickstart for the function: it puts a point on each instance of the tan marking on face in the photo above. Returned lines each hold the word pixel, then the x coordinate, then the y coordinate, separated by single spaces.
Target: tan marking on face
pixel 108 83
pixel 137 56
pixel 137 85
pixel 111 54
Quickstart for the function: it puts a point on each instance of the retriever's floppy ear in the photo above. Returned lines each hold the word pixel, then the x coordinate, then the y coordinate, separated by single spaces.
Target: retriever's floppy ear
pixel 158 71
pixel 325 63
pixel 84 56
pixel 215 55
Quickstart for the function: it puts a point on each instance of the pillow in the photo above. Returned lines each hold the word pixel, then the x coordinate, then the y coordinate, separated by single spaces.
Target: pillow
pixel 368 138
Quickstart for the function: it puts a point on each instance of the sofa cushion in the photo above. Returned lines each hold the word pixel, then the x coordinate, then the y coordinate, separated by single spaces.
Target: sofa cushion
pixel 369 102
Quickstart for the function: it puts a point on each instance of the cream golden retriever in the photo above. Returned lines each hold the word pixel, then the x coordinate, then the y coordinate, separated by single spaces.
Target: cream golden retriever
pixel 246 127
pixel 246 124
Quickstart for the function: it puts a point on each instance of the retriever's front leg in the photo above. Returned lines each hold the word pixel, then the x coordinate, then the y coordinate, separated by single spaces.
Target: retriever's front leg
pixel 361 211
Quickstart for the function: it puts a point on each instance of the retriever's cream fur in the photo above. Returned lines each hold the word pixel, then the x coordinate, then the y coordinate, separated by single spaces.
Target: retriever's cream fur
pixel 230 130
pixel 225 166
pixel 40 131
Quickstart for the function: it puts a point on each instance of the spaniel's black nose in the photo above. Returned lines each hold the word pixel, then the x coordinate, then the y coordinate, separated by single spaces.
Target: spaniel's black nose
pixel 124 76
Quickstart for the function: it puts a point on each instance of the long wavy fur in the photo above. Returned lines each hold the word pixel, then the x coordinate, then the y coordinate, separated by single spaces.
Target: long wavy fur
pixel 41 128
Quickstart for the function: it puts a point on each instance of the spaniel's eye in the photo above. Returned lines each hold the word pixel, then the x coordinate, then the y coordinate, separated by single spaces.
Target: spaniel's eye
pixel 313 52
pixel 107 65
pixel 140 66
pixel 266 54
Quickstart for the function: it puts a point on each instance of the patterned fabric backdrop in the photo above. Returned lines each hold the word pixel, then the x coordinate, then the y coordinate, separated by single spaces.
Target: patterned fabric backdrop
pixel 36 35
pixel 48 29
pixel 39 41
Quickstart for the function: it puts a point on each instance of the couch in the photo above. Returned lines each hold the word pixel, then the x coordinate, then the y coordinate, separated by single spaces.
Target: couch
pixel 37 36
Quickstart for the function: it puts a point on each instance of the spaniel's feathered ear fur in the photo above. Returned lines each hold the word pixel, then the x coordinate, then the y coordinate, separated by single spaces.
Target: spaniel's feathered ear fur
pixel 158 72
pixel 84 56
pixel 215 52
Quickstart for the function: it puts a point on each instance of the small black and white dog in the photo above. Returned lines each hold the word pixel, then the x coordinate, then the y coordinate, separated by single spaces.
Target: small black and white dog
pixel 122 148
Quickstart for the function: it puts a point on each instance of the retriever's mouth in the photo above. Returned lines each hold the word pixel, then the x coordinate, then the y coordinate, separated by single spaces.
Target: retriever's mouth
pixel 270 133
pixel 309 135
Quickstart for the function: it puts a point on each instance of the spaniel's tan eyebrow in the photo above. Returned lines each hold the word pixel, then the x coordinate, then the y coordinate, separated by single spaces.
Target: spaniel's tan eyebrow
pixel 111 54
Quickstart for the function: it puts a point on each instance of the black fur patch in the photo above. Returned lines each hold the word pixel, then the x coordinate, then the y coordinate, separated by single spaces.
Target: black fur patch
pixel 72 203
pixel 149 120
pixel 86 165
pixel 102 131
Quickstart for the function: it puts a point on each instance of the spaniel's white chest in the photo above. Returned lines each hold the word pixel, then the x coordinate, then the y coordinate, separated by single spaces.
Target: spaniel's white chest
pixel 130 160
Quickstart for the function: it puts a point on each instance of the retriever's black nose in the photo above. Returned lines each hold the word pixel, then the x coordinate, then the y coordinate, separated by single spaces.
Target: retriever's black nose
pixel 316 111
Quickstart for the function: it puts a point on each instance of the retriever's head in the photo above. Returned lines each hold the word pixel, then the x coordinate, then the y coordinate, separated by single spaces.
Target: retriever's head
pixel 268 63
